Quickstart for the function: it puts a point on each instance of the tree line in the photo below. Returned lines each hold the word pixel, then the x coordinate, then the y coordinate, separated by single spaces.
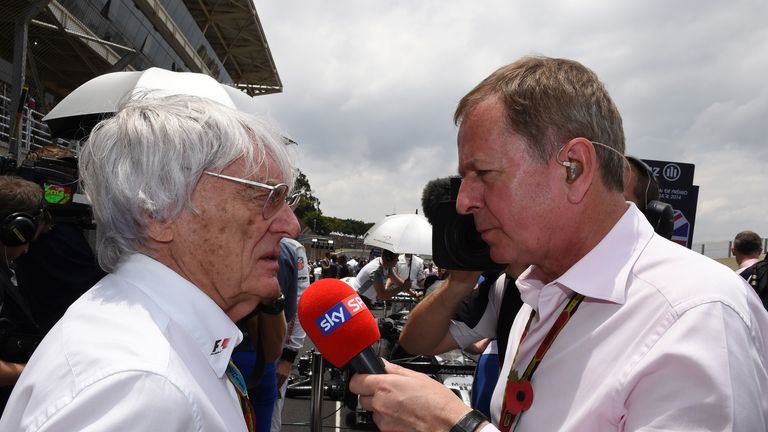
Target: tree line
pixel 310 215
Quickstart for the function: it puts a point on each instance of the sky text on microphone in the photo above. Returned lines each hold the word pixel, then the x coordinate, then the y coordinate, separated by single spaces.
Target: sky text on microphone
pixel 339 313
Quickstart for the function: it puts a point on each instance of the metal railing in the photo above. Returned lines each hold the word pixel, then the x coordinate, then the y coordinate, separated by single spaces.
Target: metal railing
pixel 34 133
pixel 719 249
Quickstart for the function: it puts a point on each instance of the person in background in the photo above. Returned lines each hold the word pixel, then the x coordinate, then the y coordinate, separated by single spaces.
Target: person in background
pixel 374 278
pixel 22 218
pixel 317 272
pixel 190 199
pixel 642 188
pixel 354 265
pixel 430 270
pixel 294 279
pixel 343 267
pixel 640 184
pixel 329 266
pixel 60 265
pixel 621 329
pixel 747 248
pixel 410 268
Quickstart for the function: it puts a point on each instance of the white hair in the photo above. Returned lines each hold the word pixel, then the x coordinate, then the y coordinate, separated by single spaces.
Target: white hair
pixel 146 161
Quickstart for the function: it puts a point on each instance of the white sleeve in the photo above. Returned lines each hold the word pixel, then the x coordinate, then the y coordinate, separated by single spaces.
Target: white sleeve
pixel 725 385
pixel 135 401
pixel 486 327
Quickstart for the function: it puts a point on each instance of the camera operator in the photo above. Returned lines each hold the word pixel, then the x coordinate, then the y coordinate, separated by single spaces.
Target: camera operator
pixel 60 266
pixel 22 218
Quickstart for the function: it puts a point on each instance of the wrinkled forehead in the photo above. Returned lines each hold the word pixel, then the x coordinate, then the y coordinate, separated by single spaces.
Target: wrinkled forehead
pixel 262 168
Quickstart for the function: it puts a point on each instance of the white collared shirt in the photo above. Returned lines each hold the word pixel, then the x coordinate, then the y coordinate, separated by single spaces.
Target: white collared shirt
pixel 412 269
pixel 666 339
pixel 143 350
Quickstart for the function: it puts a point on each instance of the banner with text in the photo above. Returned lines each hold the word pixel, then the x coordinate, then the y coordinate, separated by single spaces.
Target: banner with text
pixel 677 189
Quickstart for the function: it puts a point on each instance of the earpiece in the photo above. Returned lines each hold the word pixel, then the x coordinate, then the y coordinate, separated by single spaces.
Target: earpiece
pixel 573 170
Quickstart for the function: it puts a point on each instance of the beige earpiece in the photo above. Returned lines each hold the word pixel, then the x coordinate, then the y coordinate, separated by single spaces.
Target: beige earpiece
pixel 573 170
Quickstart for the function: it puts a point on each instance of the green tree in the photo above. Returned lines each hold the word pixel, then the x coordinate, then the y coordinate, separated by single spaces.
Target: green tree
pixel 308 203
pixel 310 215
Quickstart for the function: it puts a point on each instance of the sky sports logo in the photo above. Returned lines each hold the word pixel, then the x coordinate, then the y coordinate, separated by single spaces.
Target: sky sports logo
pixel 339 313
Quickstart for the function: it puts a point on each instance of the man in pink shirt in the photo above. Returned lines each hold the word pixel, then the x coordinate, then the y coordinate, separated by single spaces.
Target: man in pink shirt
pixel 621 329
pixel 747 247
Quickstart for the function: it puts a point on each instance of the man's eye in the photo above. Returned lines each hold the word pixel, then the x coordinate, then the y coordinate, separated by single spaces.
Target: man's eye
pixel 255 194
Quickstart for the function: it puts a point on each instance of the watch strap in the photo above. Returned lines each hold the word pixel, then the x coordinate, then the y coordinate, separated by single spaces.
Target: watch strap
pixel 288 355
pixel 469 422
pixel 274 308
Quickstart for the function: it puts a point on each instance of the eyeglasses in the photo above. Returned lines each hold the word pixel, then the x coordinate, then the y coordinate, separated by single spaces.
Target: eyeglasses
pixel 278 194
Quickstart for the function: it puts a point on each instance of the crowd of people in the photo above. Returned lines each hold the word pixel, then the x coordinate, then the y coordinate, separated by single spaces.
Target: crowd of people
pixel 600 323
pixel 380 278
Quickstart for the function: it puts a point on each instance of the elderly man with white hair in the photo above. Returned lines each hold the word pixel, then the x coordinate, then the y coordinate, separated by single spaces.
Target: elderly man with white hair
pixel 190 199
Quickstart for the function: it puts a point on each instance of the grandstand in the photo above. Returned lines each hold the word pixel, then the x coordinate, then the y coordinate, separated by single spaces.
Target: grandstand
pixel 48 48
pixel 53 46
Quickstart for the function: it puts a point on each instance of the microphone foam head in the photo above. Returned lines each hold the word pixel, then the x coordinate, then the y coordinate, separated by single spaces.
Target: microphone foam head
pixel 336 320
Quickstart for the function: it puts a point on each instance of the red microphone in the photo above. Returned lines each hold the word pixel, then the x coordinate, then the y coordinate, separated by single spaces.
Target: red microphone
pixel 340 325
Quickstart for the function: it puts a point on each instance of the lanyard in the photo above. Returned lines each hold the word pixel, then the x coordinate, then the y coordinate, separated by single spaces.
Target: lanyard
pixel 236 378
pixel 518 392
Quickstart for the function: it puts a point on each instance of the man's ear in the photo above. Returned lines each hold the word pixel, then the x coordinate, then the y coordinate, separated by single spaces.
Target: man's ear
pixel 160 232
pixel 580 161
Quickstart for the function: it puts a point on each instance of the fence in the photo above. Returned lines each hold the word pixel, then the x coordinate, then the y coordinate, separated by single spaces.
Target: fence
pixel 34 133
pixel 719 249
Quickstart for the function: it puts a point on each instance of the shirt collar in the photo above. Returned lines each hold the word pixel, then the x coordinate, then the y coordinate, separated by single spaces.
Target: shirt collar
pixel 746 264
pixel 184 303
pixel 603 273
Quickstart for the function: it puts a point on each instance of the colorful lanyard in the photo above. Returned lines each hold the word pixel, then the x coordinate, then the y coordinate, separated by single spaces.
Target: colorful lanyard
pixel 236 378
pixel 518 393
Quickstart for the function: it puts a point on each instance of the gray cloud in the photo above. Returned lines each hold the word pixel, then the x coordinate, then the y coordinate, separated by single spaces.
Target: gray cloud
pixel 370 89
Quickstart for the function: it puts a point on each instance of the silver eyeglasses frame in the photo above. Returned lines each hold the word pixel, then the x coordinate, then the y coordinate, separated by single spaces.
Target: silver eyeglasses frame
pixel 277 193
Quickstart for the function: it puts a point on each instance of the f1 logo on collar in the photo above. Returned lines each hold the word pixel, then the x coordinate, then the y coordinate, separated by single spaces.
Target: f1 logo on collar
pixel 220 345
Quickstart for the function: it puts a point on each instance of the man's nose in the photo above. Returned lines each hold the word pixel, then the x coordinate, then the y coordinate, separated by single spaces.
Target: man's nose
pixel 468 199
pixel 286 222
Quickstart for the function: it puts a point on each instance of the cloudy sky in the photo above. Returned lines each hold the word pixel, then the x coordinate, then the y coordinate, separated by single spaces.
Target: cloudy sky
pixel 370 88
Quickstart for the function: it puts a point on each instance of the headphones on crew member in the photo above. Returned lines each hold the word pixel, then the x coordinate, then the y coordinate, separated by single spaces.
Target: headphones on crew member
pixel 659 214
pixel 19 228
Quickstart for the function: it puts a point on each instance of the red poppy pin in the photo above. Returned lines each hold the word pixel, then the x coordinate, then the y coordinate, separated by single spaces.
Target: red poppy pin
pixel 518 395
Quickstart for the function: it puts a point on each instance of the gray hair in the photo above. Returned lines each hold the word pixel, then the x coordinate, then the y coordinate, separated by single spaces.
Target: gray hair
pixel 550 101
pixel 145 162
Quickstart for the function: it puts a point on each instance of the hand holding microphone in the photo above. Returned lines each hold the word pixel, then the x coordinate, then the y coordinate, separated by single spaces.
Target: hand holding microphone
pixel 340 325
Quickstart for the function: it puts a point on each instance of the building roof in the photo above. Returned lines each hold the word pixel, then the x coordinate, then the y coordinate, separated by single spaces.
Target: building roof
pixel 65 53
pixel 234 31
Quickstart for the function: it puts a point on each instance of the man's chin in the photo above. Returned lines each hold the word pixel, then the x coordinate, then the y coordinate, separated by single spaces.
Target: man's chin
pixel 499 255
pixel 266 289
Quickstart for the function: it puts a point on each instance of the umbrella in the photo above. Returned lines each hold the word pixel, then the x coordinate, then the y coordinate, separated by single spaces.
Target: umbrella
pixel 402 233
pixel 78 113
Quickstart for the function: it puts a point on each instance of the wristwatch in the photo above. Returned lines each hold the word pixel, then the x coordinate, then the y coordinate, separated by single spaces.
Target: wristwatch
pixel 274 308
pixel 469 422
